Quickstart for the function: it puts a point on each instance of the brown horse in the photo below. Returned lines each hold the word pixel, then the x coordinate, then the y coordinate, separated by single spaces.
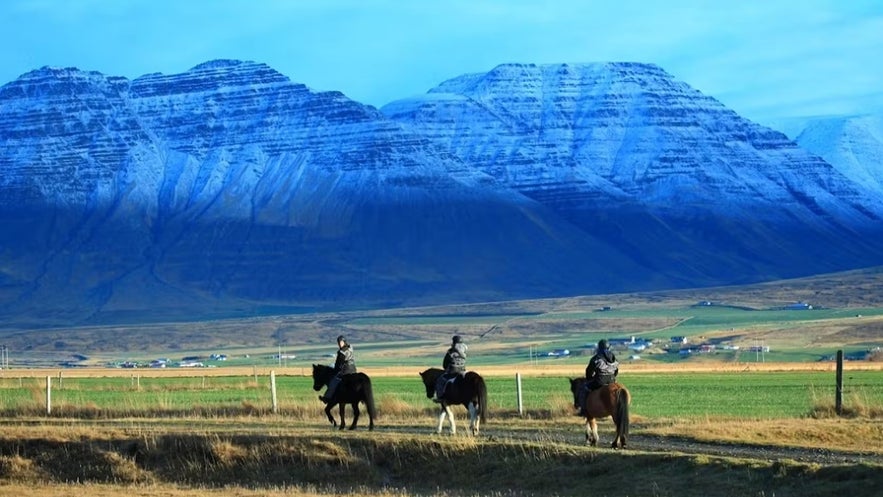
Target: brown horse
pixel 609 400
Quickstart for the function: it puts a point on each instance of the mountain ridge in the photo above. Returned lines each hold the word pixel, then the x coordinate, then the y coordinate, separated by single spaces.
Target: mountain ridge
pixel 229 187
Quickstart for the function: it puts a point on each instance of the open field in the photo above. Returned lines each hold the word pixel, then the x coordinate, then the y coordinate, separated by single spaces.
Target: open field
pixel 721 335
pixel 695 431
pixel 721 422
pixel 658 392
pixel 847 314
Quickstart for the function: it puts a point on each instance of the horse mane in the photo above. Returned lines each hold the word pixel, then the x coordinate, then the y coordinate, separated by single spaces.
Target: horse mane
pixel 430 375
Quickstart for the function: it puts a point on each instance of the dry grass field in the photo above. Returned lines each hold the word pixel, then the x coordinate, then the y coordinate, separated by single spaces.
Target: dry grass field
pixel 279 456
pixel 848 302
pixel 113 448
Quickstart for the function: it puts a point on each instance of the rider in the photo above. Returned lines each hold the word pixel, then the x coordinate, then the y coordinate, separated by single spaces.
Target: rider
pixel 601 370
pixel 344 364
pixel 454 364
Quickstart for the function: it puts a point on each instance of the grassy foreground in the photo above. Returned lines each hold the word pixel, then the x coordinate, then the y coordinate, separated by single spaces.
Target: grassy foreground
pixel 117 435
pixel 752 394
pixel 319 463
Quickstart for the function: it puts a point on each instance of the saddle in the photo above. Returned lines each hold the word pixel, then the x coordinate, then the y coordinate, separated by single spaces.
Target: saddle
pixel 447 378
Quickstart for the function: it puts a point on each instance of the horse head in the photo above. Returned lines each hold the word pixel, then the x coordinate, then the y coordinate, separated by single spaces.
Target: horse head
pixel 576 384
pixel 429 378
pixel 321 376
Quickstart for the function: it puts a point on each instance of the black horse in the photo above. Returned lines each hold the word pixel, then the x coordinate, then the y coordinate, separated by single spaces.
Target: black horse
pixel 353 388
pixel 468 390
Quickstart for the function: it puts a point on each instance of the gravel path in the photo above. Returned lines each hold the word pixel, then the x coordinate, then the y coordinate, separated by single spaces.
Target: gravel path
pixel 656 443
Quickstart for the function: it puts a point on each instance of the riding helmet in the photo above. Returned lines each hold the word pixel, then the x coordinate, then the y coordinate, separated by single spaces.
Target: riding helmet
pixel 602 345
pixel 341 338
pixel 458 339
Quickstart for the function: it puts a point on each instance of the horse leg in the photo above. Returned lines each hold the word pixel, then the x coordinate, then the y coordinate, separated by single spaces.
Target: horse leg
pixel 473 418
pixel 441 419
pixel 355 415
pixel 342 413
pixel 330 417
pixel 619 441
pixel 451 419
pixel 591 431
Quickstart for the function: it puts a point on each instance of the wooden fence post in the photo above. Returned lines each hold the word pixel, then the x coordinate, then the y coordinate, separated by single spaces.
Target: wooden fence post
pixel 838 396
pixel 273 391
pixel 518 396
pixel 48 395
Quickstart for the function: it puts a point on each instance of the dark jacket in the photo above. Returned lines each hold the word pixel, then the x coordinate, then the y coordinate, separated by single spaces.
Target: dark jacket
pixel 602 369
pixel 346 361
pixel 455 359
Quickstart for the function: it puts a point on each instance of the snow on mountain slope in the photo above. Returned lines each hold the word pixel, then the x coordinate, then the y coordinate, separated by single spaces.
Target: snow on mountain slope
pixel 229 188
pixel 671 176
pixel 576 133
pixel 852 144
pixel 229 185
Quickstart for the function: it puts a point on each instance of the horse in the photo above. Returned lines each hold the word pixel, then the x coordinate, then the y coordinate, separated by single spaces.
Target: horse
pixel 353 388
pixel 609 400
pixel 468 390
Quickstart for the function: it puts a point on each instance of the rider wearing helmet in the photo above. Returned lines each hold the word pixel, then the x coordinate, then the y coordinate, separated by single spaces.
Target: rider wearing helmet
pixel 601 370
pixel 454 364
pixel 344 364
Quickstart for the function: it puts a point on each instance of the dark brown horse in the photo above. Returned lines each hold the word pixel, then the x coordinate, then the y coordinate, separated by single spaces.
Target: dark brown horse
pixel 468 390
pixel 609 400
pixel 353 388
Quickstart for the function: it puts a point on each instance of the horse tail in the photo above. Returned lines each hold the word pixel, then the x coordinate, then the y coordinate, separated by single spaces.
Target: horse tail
pixel 621 415
pixel 369 397
pixel 482 398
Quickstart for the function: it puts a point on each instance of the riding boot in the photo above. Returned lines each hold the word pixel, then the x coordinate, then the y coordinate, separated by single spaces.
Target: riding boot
pixel 329 392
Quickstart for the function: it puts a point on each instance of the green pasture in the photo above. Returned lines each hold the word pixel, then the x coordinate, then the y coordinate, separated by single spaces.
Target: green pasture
pixel 693 320
pixel 654 395
pixel 792 335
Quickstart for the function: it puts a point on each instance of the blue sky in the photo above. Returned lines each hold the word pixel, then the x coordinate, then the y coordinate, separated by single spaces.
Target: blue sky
pixel 765 59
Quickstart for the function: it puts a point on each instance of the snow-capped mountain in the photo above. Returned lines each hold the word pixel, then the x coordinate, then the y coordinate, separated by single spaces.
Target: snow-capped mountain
pixel 231 189
pixel 671 176
pixel 852 144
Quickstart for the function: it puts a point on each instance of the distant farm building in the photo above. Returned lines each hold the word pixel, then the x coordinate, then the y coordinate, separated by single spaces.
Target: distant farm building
pixel 559 353
pixel 799 306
